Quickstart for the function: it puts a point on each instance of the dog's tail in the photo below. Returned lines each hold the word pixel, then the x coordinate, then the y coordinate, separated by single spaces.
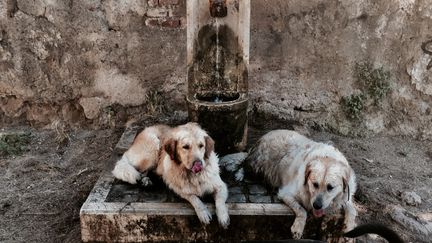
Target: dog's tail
pixel 374 228
pixel 124 171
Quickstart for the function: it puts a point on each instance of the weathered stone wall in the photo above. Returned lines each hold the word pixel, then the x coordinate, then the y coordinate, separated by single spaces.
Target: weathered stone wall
pixel 79 60
pixel 304 54
pixel 104 61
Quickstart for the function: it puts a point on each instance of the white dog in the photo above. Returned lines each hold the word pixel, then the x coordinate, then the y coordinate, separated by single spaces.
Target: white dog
pixel 311 176
pixel 184 157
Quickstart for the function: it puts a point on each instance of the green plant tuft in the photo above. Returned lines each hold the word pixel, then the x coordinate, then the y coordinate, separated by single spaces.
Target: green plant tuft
pixel 354 105
pixel 14 143
pixel 374 80
pixel 374 84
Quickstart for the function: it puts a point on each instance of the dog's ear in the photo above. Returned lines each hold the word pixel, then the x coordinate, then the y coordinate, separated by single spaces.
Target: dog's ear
pixel 307 174
pixel 209 146
pixel 170 147
pixel 346 188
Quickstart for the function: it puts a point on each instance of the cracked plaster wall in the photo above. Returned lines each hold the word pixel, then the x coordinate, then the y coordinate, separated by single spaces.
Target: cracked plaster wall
pixel 83 61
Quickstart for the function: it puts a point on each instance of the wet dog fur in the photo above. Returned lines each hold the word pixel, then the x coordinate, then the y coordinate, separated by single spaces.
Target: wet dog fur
pixel 311 176
pixel 185 159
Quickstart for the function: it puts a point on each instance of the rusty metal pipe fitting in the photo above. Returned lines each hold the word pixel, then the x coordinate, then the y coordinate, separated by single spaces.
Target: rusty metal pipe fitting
pixel 218 8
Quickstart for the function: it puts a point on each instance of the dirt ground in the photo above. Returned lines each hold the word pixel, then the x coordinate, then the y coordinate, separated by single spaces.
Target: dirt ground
pixel 43 188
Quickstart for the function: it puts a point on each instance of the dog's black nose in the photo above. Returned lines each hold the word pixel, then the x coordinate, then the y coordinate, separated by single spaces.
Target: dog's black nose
pixel 197 161
pixel 317 204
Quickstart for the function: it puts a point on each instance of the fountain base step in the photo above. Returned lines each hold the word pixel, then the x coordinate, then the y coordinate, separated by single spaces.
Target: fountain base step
pixel 139 217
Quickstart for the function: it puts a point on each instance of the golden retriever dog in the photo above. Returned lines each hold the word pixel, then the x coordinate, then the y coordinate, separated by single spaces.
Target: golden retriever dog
pixel 311 176
pixel 185 159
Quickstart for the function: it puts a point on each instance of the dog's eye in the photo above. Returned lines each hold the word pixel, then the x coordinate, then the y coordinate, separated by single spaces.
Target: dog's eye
pixel 186 146
pixel 316 185
pixel 329 187
pixel 201 145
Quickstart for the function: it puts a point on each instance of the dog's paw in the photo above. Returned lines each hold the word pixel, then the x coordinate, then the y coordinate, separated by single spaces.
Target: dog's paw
pixel 126 172
pixel 223 217
pixel 297 230
pixel 145 181
pixel 232 162
pixel 345 240
pixel 296 235
pixel 239 175
pixel 348 226
pixel 204 215
pixel 224 221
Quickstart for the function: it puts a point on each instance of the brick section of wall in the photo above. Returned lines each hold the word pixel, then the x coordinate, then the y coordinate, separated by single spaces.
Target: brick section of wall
pixel 166 13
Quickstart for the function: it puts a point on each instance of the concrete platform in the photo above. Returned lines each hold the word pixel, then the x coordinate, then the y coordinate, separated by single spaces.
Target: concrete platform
pixel 119 212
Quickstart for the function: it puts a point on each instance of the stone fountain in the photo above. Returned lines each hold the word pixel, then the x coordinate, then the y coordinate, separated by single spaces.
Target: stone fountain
pixel 218 34
pixel 218 60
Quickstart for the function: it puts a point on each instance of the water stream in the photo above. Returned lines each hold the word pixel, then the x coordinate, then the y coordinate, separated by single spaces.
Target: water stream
pixel 217 61
pixel 217 50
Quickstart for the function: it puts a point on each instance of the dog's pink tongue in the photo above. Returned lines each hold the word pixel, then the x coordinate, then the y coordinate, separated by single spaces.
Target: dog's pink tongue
pixel 197 167
pixel 318 213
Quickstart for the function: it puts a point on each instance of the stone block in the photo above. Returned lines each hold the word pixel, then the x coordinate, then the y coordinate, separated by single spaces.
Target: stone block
pixel 168 2
pixel 92 106
pixel 35 8
pixel 126 139
pixel 411 198
pixel 171 23
pixel 153 3
pixel 236 198
pixel 157 12
pixel 12 106
pixel 235 190
pixel 257 190
pixel 152 22
pixel 118 13
pixel 259 199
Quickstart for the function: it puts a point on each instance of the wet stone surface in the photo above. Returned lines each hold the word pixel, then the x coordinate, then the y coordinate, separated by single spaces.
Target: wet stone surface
pixel 235 190
pixel 125 192
pixel 257 190
pixel 260 199
pixel 237 198
pixel 158 192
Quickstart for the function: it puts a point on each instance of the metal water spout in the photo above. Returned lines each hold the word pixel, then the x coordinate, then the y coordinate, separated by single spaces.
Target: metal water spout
pixel 218 8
